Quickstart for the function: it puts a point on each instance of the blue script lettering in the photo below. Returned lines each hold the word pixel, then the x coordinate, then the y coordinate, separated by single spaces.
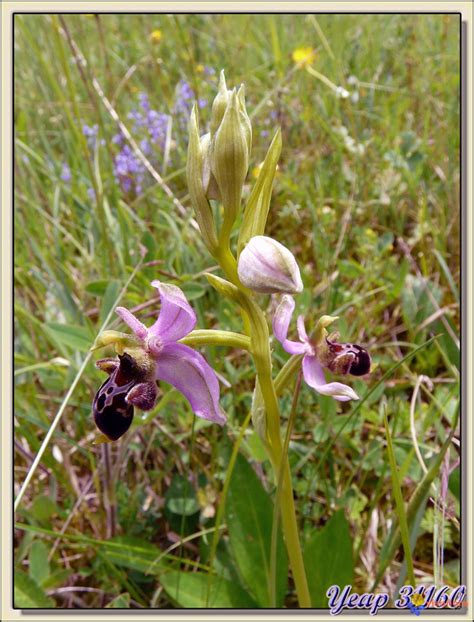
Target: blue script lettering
pixel 338 601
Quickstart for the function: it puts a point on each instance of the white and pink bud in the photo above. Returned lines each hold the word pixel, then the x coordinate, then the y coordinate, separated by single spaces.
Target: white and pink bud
pixel 268 267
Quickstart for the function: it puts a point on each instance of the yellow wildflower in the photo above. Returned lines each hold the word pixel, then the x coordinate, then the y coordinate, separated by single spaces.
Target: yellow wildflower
pixel 155 36
pixel 256 170
pixel 417 600
pixel 304 56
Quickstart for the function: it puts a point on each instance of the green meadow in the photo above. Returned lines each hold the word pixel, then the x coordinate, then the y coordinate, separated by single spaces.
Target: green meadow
pixel 179 511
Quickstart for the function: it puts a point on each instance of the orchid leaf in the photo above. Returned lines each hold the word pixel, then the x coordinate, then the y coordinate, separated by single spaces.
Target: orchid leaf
pixel 256 210
pixel 190 590
pixel 328 558
pixel 249 519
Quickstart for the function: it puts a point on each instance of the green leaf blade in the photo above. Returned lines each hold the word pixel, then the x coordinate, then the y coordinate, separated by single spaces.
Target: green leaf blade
pixel 28 594
pixel 258 205
pixel 198 590
pixel 328 559
pixel 249 519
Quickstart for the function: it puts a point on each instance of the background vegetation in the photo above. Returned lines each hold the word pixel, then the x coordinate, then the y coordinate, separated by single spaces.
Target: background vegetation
pixel 367 197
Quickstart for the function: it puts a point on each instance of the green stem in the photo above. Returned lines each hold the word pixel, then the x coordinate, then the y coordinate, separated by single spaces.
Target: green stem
pixel 261 352
pixel 217 338
pixel 259 337
pixel 277 505
pixel 228 263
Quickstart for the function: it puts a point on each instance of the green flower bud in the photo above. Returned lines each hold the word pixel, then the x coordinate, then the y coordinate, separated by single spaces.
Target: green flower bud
pixel 211 189
pixel 197 154
pixel 219 104
pixel 229 157
pixel 244 117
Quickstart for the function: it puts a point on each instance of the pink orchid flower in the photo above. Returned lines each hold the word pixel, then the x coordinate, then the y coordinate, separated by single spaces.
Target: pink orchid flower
pixel 177 364
pixel 342 358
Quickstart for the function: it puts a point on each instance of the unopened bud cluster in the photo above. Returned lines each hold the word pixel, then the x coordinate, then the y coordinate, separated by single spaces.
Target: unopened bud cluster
pixel 217 166
pixel 218 161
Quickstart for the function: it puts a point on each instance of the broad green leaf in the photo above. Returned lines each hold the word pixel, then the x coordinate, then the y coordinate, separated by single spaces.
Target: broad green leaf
pixel 97 288
pixel 27 594
pixel 328 559
pixel 76 337
pixel 249 512
pixel 193 291
pixel 181 497
pixel 256 210
pixel 39 564
pixel 43 508
pixel 417 303
pixel 122 601
pixel 199 590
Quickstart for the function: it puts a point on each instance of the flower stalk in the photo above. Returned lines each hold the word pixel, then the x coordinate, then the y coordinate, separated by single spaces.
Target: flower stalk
pixel 260 349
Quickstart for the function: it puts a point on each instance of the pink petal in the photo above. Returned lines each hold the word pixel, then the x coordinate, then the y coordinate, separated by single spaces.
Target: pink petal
pixel 302 334
pixel 176 318
pixel 281 322
pixel 188 371
pixel 314 376
pixel 132 322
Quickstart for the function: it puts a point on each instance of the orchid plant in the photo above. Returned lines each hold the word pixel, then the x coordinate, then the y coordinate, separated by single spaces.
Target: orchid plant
pixel 217 167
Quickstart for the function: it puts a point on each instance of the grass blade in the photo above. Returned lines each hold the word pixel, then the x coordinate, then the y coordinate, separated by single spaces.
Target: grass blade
pixel 397 493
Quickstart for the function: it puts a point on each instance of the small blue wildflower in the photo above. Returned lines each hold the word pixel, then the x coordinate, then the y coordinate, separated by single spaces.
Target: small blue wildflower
pixel 137 118
pixel 184 102
pixel 118 139
pixel 66 173
pixel 149 128
pixel 90 132
pixel 145 146
pixel 144 102
pixel 158 127
pixel 129 170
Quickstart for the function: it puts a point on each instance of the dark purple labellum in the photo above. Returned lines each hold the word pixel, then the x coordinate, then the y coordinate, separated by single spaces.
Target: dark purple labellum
pixel 346 358
pixel 112 414
pixel 361 364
